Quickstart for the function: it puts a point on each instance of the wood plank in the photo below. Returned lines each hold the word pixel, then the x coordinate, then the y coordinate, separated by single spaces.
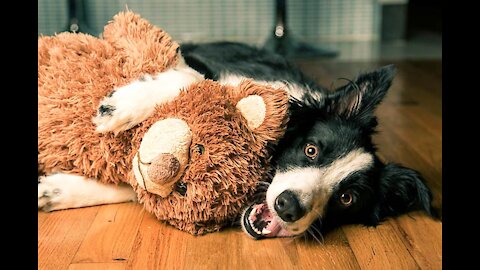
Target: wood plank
pixel 111 236
pixel 42 216
pixel 158 246
pixel 379 248
pixel 206 252
pixel 273 253
pixel 432 69
pixel 335 253
pixel 423 238
pixel 432 123
pixel 406 126
pixel 60 236
pixel 97 266
pixel 417 87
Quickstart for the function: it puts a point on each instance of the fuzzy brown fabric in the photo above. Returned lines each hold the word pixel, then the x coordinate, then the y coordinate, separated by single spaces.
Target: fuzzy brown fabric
pixel 76 71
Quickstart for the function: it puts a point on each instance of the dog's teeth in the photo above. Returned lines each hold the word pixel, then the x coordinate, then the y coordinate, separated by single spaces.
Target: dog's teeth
pixel 257 231
pixel 265 231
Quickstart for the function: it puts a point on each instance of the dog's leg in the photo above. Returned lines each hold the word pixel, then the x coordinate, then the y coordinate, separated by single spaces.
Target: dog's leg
pixel 62 191
pixel 129 105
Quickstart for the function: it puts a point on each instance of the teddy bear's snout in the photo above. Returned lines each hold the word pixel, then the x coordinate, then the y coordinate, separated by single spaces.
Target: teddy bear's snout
pixel 164 168
pixel 163 156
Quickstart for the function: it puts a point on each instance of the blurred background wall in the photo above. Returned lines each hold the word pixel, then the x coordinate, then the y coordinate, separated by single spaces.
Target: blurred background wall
pixel 358 29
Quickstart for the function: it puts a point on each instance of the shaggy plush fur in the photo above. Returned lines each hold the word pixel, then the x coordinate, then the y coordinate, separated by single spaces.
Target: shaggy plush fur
pixel 76 71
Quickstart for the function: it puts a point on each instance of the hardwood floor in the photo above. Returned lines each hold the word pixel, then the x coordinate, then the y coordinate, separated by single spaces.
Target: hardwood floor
pixel 124 236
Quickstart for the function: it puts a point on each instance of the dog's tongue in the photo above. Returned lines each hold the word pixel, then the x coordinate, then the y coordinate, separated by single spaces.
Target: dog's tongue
pixel 259 223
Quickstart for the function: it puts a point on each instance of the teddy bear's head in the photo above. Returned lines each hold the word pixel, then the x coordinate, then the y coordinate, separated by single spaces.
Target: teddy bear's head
pixel 202 155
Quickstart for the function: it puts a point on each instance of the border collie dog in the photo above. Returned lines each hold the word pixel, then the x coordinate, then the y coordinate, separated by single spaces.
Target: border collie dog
pixel 326 169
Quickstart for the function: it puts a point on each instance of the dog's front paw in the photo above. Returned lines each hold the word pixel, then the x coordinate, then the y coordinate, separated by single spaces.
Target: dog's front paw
pixel 51 195
pixel 111 119
pixel 124 108
pixel 113 115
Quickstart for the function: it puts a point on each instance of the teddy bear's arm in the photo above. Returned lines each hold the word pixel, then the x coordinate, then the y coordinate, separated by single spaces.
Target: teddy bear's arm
pixel 62 191
pixel 131 104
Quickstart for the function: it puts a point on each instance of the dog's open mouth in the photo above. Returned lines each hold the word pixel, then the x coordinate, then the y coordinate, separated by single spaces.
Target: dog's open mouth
pixel 259 222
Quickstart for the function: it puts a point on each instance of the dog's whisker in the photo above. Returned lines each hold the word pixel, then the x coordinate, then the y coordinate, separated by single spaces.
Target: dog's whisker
pixel 318 232
pixel 313 235
pixel 316 229
pixel 313 226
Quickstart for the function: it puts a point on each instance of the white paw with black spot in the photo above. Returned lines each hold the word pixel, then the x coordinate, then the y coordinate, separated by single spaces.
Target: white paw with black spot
pixel 53 193
pixel 124 108
pixel 110 116
pixel 46 195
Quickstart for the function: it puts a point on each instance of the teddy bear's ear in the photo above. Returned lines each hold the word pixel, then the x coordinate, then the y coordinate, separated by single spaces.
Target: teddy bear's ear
pixel 265 109
pixel 145 47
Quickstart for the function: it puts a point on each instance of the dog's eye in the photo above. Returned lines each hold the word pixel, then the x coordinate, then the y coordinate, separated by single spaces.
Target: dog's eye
pixel 346 198
pixel 311 150
pixel 181 188
pixel 199 149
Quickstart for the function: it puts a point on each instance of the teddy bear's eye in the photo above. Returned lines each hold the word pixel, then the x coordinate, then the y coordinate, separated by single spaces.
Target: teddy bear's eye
pixel 181 188
pixel 199 148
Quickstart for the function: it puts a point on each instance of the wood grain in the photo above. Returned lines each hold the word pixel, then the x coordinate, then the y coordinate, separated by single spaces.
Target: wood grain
pixel 97 266
pixel 379 248
pixel 158 246
pixel 334 253
pixel 61 235
pixel 123 236
pixel 111 235
pixel 42 216
pixel 422 237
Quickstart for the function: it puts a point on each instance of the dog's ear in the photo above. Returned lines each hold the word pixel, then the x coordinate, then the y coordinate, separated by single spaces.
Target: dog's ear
pixel 358 99
pixel 401 190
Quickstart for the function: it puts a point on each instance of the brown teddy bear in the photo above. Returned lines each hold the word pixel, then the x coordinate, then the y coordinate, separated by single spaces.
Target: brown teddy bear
pixel 195 162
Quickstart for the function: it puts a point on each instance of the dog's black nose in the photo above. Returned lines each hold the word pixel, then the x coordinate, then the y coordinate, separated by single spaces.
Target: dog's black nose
pixel 288 207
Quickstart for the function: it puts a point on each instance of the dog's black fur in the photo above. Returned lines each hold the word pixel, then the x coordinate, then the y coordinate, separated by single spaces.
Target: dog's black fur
pixel 338 123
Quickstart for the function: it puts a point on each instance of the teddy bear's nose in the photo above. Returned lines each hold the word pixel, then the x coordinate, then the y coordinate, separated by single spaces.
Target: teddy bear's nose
pixel 163 168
